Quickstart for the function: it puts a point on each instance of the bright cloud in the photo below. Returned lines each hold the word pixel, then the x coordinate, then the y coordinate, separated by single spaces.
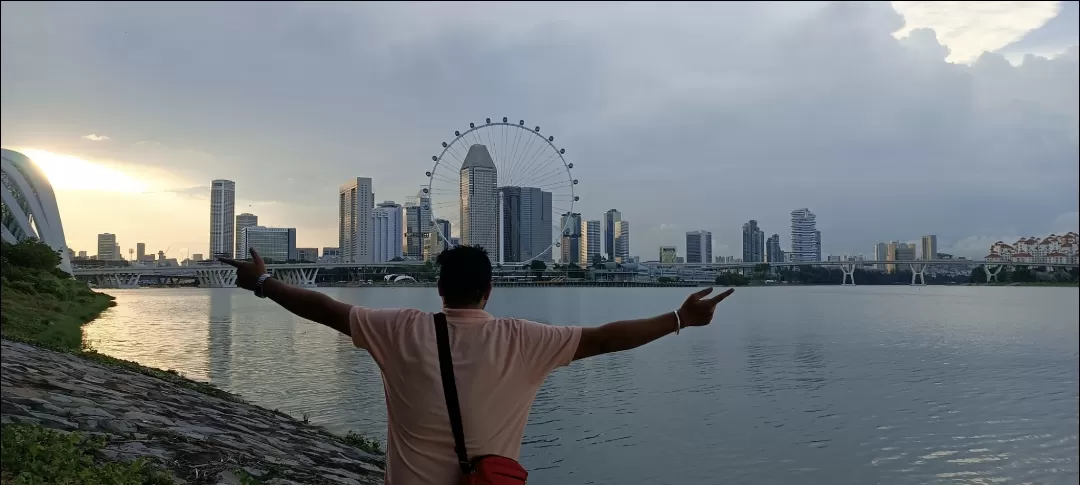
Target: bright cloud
pixel 969 29
pixel 95 137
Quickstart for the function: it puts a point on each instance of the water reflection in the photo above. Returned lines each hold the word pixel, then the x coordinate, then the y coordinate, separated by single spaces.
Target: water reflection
pixel 864 385
pixel 220 336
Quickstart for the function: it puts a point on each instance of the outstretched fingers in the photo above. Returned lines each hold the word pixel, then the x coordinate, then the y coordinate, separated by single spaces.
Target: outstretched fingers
pixel 255 256
pixel 718 298
pixel 697 295
pixel 231 262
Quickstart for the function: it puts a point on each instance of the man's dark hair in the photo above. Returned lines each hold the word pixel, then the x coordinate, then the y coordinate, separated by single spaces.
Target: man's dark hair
pixel 464 275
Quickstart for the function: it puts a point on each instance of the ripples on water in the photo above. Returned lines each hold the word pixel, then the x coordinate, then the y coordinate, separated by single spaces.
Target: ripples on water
pixel 896 385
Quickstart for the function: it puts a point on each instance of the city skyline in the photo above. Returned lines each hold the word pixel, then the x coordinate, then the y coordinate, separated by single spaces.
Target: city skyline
pixel 986 172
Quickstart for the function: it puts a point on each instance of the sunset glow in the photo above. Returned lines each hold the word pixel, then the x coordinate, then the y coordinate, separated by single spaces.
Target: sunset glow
pixel 68 172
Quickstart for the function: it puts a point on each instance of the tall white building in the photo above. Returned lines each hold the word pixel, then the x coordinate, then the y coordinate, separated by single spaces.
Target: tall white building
pixel 355 203
pixel 590 241
pixel 805 238
pixel 387 230
pixel 929 247
pixel 106 247
pixel 222 218
pixel 699 247
pixel 243 221
pixel 622 241
pixel 479 201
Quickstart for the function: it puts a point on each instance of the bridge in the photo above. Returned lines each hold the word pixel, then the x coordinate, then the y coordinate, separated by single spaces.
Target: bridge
pixel 216 275
pixel 917 266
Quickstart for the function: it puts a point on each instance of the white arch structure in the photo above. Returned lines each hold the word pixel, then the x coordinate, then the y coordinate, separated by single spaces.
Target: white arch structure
pixel 29 205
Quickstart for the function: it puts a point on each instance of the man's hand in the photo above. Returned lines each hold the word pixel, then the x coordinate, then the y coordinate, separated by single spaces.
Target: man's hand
pixel 697 310
pixel 247 274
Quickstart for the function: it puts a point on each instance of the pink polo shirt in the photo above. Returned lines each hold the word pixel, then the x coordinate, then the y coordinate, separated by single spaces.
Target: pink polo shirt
pixel 499 364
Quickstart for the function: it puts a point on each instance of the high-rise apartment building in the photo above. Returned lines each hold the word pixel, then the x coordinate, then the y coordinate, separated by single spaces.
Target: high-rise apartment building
pixel 107 247
pixel 667 254
pixel 387 220
pixel 881 253
pixel 590 241
pixel 355 203
pixel 479 201
pixel 773 253
pixel 570 241
pixel 611 217
pixel 805 238
pixel 753 242
pixel 274 244
pixel 438 239
pixel 699 247
pixel 244 220
pixel 222 218
pixel 929 247
pixel 140 251
pixel 417 225
pixel 898 251
pixel 622 241
pixel 525 224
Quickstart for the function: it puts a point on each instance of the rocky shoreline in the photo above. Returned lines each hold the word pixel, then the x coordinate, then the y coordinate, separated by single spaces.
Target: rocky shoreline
pixel 192 436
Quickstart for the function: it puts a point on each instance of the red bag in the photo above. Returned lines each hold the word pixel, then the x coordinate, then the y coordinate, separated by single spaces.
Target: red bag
pixel 482 470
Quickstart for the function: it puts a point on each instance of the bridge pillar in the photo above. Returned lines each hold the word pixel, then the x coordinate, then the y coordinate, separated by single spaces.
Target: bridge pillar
pixel 216 277
pixel 992 271
pixel 297 277
pixel 849 274
pixel 918 278
pixel 118 280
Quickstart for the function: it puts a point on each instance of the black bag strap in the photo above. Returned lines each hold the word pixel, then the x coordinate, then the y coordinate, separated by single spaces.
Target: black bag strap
pixel 446 366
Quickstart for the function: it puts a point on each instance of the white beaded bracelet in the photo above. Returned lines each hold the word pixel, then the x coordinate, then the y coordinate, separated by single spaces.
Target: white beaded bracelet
pixel 678 322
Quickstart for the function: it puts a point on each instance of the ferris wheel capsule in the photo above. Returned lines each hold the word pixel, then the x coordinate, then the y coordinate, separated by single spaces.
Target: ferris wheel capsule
pixel 457 133
pixel 472 125
pixel 487 120
pixel 504 119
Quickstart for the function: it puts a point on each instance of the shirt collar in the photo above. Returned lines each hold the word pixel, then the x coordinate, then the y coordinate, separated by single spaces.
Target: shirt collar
pixel 467 313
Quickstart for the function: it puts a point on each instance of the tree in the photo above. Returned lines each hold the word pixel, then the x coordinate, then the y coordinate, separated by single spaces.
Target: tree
pixel 30 253
pixel 597 261
pixel 538 267
pixel 730 279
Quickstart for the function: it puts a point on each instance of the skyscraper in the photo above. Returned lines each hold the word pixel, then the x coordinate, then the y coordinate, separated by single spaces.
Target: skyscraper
pixel 881 253
pixel 773 253
pixel 355 203
pixel 222 214
pixel 899 251
pixel 242 221
pixel 106 247
pixel 438 239
pixel 753 242
pixel 611 217
pixel 622 241
pixel 417 224
pixel 479 201
pixel 525 224
pixel 570 241
pixel 590 241
pixel 805 238
pixel 699 247
pixel 140 251
pixel 929 247
pixel 387 219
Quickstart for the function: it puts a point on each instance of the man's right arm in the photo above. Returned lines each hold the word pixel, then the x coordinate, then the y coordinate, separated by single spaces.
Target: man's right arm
pixel 628 334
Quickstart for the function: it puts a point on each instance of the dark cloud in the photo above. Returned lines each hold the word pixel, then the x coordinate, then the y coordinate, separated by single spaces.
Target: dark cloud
pixel 682 116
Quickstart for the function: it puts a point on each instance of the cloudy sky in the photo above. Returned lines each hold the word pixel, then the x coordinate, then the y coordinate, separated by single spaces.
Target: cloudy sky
pixel 889 121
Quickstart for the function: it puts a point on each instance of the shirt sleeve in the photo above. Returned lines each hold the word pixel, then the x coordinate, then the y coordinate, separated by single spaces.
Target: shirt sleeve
pixel 372 328
pixel 547 347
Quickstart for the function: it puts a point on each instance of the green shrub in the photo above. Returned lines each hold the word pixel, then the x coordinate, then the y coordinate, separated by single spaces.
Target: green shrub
pixel 32 454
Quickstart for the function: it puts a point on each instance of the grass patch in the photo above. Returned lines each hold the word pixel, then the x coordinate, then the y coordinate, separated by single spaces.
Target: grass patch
pixel 32 454
pixel 370 445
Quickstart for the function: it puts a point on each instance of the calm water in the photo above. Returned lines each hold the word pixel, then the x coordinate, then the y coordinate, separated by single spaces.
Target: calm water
pixel 830 385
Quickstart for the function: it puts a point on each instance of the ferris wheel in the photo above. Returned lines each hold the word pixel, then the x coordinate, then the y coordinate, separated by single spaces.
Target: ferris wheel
pixel 505 187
